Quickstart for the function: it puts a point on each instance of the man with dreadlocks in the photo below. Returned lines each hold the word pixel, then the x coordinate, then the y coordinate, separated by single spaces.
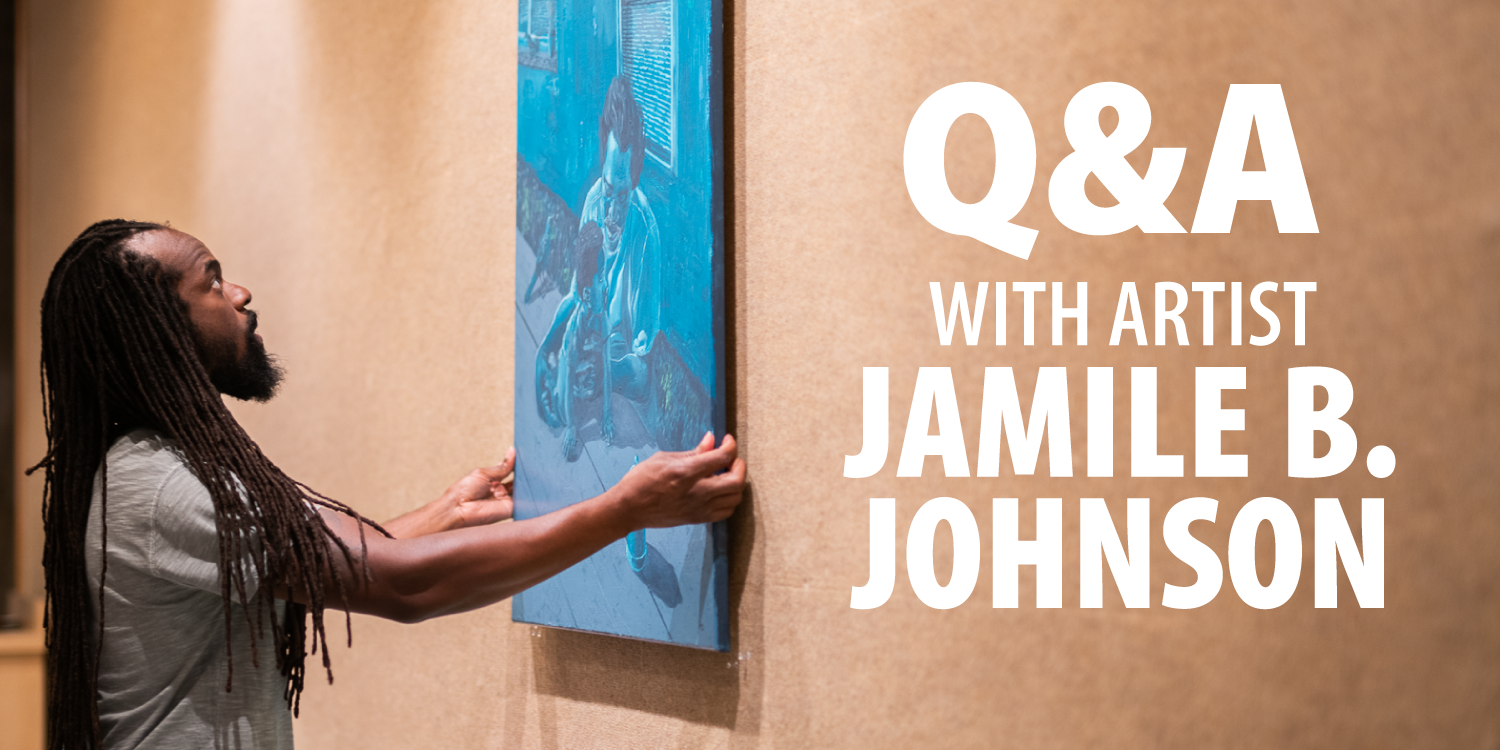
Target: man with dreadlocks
pixel 182 565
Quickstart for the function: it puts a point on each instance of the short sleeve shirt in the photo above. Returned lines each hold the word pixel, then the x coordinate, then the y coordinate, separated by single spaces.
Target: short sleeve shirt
pixel 163 670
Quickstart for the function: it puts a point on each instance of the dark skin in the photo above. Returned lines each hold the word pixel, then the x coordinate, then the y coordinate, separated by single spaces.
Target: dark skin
pixel 451 555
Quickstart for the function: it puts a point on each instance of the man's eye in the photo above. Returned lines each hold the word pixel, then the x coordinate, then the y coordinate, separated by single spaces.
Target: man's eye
pixel 216 283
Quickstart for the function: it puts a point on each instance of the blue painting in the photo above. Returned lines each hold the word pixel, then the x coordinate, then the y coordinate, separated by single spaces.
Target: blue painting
pixel 619 296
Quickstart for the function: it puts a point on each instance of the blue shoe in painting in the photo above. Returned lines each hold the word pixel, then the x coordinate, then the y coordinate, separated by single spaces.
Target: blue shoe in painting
pixel 660 577
pixel 653 570
pixel 636 549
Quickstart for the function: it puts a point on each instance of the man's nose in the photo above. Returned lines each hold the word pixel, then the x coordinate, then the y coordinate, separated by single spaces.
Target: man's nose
pixel 239 295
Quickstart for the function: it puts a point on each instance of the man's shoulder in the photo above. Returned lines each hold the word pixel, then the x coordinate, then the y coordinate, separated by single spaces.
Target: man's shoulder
pixel 141 463
pixel 161 518
pixel 145 448
pixel 641 204
pixel 642 213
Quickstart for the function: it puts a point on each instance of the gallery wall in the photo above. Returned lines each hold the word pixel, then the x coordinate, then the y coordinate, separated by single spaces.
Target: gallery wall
pixel 353 164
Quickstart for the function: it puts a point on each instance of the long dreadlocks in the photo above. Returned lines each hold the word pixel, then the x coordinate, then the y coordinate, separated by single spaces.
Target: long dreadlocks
pixel 118 353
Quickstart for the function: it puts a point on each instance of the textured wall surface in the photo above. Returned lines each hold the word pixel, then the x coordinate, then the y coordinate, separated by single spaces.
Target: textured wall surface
pixel 352 164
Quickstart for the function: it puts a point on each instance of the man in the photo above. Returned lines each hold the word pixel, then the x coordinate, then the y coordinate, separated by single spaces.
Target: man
pixel 181 564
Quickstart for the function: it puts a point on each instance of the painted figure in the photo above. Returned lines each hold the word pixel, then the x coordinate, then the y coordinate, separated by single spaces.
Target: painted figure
pixel 570 362
pixel 627 286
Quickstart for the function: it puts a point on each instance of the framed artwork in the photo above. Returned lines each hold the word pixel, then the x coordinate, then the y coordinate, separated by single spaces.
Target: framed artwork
pixel 619 296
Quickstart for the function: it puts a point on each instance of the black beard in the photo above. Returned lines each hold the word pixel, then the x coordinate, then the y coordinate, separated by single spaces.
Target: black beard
pixel 254 378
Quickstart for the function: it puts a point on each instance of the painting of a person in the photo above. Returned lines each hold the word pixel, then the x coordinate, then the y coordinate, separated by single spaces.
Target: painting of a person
pixel 628 283
pixel 571 359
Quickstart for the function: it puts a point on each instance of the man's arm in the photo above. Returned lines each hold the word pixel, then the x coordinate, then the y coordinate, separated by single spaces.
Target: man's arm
pixel 410 580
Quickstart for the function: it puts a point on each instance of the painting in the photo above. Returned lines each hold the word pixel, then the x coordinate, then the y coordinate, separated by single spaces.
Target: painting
pixel 619 296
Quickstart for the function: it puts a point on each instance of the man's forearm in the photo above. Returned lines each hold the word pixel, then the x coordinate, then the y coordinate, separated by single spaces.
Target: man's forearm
pixel 464 569
pixel 419 522
pixel 413 579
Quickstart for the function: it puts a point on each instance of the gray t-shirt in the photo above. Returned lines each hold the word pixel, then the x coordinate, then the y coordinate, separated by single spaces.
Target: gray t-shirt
pixel 163 668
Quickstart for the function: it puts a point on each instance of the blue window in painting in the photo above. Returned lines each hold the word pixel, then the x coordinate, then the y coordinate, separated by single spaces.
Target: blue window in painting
pixel 647 55
pixel 537 34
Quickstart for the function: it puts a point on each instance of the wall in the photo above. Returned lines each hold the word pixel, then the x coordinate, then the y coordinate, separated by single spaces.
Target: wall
pixel 352 164
pixel 23 687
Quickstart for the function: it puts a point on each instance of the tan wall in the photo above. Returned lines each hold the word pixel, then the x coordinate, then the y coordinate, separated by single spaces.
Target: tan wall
pixel 351 163
pixel 23 687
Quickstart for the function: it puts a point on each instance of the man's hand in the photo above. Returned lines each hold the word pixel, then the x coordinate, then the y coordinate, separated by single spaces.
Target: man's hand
pixel 671 489
pixel 483 496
